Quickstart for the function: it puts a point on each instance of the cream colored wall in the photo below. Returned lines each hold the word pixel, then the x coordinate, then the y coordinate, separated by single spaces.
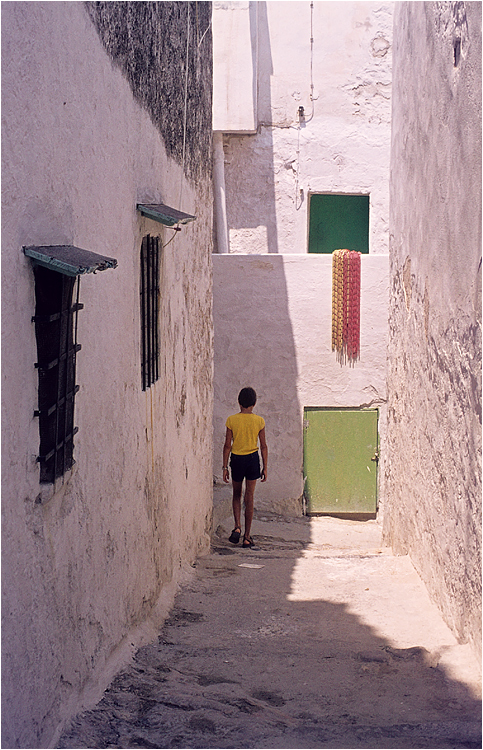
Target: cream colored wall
pixel 433 477
pixel 272 300
pixel 272 318
pixel 90 569
pixel 341 146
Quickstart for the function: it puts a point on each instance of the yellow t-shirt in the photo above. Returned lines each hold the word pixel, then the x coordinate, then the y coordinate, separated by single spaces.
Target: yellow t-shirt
pixel 245 429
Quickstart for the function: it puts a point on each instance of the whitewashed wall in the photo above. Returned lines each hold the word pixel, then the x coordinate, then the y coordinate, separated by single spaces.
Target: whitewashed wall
pixel 272 314
pixel 90 569
pixel 343 143
pixel 273 331
pixel 434 377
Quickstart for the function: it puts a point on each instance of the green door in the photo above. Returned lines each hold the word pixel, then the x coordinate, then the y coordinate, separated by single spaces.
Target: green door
pixel 340 461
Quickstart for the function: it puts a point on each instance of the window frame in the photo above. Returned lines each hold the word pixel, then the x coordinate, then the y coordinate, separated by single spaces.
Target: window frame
pixel 56 327
pixel 149 310
pixel 362 247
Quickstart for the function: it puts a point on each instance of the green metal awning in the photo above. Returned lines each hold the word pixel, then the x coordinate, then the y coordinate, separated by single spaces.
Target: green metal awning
pixel 164 214
pixel 69 260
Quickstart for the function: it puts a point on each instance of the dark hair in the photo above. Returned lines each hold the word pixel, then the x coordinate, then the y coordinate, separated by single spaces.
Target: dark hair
pixel 247 397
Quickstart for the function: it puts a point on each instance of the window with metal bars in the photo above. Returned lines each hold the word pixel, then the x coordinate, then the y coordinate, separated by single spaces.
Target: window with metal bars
pixel 56 333
pixel 149 311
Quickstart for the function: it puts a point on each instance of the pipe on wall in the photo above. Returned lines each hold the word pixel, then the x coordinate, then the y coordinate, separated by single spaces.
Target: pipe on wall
pixel 222 242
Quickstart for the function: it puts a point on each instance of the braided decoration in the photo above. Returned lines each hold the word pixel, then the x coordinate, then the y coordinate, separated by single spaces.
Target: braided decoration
pixel 346 303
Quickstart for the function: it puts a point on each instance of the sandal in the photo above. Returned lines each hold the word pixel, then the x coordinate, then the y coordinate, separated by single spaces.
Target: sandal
pixel 248 542
pixel 235 535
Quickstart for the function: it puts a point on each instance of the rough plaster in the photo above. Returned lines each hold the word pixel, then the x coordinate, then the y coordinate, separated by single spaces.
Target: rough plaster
pixel 272 321
pixel 154 64
pixel 272 314
pixel 90 567
pixel 433 476
pixel 341 144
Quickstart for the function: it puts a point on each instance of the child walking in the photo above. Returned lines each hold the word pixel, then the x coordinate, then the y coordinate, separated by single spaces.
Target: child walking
pixel 243 433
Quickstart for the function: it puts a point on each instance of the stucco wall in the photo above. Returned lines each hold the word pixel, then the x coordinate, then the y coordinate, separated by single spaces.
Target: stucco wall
pixel 434 378
pixel 272 317
pixel 90 566
pixel 341 144
pixel 272 314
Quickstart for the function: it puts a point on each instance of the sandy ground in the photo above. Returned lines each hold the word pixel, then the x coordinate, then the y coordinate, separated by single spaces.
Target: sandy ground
pixel 317 638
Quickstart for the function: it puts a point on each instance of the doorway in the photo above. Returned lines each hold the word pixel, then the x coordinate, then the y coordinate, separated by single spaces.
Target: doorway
pixel 340 462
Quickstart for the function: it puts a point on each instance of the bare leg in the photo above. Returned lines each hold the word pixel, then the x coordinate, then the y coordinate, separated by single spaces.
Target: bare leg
pixel 237 491
pixel 250 485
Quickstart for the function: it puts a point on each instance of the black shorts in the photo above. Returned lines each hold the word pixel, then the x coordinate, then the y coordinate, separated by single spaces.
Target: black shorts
pixel 245 467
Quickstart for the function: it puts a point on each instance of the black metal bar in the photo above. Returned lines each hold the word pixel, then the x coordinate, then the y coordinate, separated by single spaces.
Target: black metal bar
pixel 156 317
pixel 61 327
pixel 68 333
pixel 75 311
pixel 47 412
pixel 56 316
pixel 68 438
pixel 54 362
pixel 143 313
pixel 153 309
pixel 148 313
pixel 149 293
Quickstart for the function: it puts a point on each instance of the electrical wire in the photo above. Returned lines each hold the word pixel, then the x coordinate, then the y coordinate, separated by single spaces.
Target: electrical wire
pixel 298 193
pixel 311 60
pixel 204 34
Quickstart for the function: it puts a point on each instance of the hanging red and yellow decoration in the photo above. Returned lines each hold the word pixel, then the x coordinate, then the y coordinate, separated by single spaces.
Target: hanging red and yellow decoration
pixel 346 305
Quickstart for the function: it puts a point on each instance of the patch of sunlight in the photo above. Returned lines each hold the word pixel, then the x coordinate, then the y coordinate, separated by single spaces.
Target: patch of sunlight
pixel 345 564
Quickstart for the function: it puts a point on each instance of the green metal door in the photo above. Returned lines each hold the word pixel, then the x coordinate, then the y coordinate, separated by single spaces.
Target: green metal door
pixel 340 461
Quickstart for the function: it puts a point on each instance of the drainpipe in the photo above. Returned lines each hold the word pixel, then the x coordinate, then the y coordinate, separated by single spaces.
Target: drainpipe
pixel 219 193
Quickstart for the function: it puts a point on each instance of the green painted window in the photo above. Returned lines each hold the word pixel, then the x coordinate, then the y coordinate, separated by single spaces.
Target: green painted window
pixel 338 222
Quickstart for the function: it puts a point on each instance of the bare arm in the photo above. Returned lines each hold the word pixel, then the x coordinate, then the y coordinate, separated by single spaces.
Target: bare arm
pixel 226 453
pixel 264 451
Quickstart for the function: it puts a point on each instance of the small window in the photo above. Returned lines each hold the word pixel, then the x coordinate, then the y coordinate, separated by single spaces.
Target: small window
pixel 338 222
pixel 56 333
pixel 149 311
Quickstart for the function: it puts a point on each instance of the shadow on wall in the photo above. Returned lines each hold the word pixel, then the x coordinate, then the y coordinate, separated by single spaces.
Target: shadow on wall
pixel 254 345
pixel 250 187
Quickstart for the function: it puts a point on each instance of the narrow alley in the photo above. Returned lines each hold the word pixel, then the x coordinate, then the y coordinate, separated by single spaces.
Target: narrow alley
pixel 317 638
pixel 198 197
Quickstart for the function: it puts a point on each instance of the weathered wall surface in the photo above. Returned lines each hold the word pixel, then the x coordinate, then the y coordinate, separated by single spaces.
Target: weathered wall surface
pixel 434 387
pixel 341 145
pixel 90 566
pixel 273 331
pixel 272 315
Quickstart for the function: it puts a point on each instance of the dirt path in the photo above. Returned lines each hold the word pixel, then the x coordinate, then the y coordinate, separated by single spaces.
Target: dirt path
pixel 318 638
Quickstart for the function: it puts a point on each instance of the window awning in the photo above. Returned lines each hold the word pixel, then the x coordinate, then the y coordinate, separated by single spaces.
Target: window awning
pixel 164 214
pixel 69 260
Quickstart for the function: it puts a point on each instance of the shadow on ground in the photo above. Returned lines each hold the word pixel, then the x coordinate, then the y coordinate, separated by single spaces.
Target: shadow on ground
pixel 241 663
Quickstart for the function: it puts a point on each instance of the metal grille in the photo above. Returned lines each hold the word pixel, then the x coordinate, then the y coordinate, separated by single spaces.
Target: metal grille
pixel 56 333
pixel 149 311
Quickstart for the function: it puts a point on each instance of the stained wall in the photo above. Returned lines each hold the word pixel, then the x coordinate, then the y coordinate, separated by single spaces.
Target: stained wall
pixel 91 125
pixel 433 473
